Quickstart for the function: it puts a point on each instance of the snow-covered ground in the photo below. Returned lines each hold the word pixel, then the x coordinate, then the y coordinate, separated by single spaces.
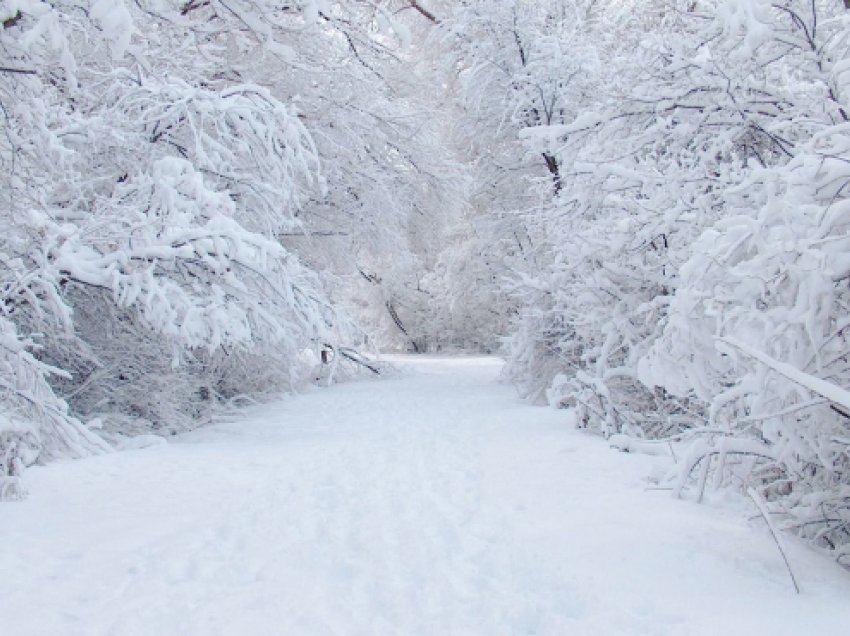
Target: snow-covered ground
pixel 430 503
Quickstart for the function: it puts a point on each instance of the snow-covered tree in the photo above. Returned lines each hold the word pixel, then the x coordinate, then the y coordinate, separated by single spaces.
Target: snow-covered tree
pixel 698 204
pixel 152 178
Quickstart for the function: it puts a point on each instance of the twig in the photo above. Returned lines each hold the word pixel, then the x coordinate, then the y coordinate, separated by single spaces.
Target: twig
pixel 21 71
pixel 425 13
pixel 762 507
pixel 703 475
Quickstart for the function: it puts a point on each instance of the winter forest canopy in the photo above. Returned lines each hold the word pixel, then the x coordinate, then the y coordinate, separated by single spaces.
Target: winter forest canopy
pixel 644 206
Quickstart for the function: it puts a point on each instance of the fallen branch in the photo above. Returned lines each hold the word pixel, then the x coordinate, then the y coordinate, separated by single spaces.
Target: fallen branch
pixel 352 356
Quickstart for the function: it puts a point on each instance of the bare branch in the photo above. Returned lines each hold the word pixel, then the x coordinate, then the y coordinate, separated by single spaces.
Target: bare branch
pixel 20 71
pixel 414 4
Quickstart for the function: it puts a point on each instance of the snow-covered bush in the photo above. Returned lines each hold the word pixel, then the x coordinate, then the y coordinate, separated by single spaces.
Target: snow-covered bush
pixel 766 283
pixel 773 275
pixel 698 195
pixel 151 181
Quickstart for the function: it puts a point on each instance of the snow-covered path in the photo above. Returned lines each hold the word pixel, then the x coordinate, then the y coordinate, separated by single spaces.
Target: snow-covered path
pixel 432 503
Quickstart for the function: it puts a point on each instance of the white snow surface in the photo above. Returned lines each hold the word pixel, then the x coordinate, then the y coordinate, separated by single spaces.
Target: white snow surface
pixel 435 502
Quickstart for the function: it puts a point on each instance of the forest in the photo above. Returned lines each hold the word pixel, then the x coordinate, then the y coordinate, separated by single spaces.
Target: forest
pixel 643 206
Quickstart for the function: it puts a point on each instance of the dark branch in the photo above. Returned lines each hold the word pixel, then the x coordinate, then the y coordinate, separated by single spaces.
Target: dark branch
pixel 21 71
pixel 430 16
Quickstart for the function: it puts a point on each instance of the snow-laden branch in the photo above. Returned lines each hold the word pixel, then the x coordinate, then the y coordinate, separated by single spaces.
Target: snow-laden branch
pixel 818 386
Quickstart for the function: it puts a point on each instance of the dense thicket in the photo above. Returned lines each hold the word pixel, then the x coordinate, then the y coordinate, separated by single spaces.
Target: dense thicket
pixel 665 185
pixel 190 190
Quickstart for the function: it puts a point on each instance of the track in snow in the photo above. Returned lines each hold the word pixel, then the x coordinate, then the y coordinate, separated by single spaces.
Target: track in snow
pixel 435 503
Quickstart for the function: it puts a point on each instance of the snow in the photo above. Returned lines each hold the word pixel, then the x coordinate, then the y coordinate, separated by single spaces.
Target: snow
pixel 434 502
pixel 117 24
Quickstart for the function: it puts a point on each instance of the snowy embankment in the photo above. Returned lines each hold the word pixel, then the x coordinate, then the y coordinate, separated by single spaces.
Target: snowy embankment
pixel 431 503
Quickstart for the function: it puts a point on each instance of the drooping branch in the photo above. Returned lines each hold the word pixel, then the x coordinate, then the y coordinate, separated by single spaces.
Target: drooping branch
pixel 397 320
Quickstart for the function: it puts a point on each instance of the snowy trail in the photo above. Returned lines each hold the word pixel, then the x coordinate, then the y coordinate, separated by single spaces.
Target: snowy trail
pixel 432 503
